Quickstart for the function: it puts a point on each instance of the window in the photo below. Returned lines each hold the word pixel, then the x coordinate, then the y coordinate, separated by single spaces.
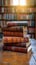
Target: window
pixel 22 2
pixel 18 2
pixel 15 2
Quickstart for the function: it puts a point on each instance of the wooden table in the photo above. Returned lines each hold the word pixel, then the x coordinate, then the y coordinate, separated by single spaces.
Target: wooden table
pixel 14 58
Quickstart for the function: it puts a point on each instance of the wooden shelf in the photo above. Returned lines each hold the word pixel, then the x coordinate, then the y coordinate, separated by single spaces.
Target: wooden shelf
pixel 31 33
pixel 31 26
pixel 18 6
pixel 25 13
pixel 14 20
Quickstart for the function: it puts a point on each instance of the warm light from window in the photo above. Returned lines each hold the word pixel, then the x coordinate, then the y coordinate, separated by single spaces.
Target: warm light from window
pixel 15 2
pixel 18 2
pixel 22 2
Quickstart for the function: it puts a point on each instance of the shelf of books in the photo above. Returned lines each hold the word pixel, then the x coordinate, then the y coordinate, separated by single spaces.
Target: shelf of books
pixel 15 9
pixel 15 13
pixel 9 12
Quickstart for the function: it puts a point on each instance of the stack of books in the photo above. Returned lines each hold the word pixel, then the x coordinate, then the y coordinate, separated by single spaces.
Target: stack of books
pixel 14 40
pixel 13 31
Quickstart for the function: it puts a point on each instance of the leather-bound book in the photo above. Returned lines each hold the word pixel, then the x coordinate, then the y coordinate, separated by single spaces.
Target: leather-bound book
pixel 13 34
pixel 16 24
pixel 25 45
pixel 17 49
pixel 13 29
pixel 1 35
pixel 15 39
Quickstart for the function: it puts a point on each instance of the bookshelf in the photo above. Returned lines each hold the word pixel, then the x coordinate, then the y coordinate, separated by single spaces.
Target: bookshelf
pixel 31 28
pixel 18 13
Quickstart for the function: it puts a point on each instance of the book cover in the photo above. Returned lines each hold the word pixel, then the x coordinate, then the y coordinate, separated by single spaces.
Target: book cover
pixel 17 34
pixel 17 23
pixel 15 39
pixel 13 29
pixel 25 45
pixel 17 49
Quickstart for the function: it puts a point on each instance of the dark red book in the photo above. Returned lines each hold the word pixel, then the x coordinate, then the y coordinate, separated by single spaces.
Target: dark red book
pixel 9 24
pixel 15 39
pixel 18 44
pixel 13 29
pixel 17 49
pixel 0 8
pixel 31 30
pixel 13 34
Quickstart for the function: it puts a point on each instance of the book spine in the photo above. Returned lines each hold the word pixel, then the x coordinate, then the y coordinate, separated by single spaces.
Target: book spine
pixel 15 44
pixel 0 2
pixel 16 24
pixel 15 49
pixel 15 40
pixel 31 30
pixel 14 34
pixel 0 16
pixel 13 29
pixel 1 34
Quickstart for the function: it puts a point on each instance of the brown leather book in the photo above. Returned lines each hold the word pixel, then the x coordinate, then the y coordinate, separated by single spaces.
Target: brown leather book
pixel 16 24
pixel 18 44
pixel 11 24
pixel 15 49
pixel 15 39
pixel 13 29
pixel 13 34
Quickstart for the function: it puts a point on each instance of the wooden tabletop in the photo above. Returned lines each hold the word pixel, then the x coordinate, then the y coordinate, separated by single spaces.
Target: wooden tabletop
pixel 14 58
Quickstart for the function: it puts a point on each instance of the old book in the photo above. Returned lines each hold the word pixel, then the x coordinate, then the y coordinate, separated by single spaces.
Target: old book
pixel 17 49
pixel 0 2
pixel 0 29
pixel 18 44
pixel 13 29
pixel 10 24
pixel 31 23
pixel 0 9
pixel 32 36
pixel 0 16
pixel 13 34
pixel 13 10
pixel 7 2
pixel 31 30
pixel 1 34
pixel 3 9
pixel 15 39
pixel 11 16
pixel 6 16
